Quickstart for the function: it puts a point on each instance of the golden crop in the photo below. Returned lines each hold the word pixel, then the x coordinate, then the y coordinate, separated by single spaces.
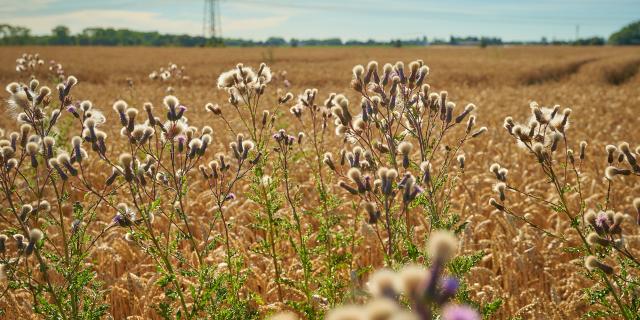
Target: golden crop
pixel 531 272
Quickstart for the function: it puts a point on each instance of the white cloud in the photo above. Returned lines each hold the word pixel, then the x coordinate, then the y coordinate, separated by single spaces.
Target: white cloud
pixel 20 6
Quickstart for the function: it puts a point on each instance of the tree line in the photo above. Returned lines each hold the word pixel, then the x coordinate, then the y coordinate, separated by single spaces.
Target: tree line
pixel 61 35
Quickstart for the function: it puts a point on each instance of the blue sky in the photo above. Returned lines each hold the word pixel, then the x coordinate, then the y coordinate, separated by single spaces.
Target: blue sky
pixel 347 19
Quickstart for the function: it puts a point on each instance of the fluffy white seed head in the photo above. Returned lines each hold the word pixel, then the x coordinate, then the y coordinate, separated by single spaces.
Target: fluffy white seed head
pixel 49 141
pixel 35 235
pixel 345 312
pixel 248 145
pixel 358 71
pixel 442 245
pixel 354 174
pixel 405 147
pixel 120 106
pixel 425 166
pixel 381 309
pixel 171 102
pixel 32 148
pixel 372 65
pixel 382 282
pixel 76 141
pixel 410 279
pixel 125 160
pixel 131 113
pixel 636 204
pixel 592 264
pixel 72 81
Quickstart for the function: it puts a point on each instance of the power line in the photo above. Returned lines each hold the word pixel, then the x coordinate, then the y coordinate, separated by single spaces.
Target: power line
pixel 211 22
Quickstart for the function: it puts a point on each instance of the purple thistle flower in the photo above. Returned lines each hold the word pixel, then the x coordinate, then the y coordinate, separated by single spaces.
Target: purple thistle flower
pixel 182 108
pixel 118 219
pixel 602 221
pixel 230 196
pixel 73 110
pixel 459 312
pixel 450 285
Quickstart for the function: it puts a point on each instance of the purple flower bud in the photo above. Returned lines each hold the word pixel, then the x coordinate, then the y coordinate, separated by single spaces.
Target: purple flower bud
pixel 602 221
pixel 118 219
pixel 450 286
pixel 459 312
pixel 73 110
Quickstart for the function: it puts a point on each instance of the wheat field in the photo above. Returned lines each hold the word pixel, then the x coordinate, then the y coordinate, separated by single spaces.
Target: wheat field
pixel 534 275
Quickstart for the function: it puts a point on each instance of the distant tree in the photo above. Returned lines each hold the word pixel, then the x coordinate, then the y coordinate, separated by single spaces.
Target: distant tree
pixel 276 42
pixel 14 34
pixel 593 41
pixel 61 35
pixel 629 35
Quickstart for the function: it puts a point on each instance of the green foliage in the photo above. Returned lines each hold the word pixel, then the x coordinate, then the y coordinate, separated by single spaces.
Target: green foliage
pixel 628 35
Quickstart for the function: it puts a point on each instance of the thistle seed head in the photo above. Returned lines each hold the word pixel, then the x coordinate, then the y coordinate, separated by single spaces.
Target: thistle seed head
pixel 13 87
pixel 590 217
pixel 494 203
pixel 131 113
pixel 213 108
pixel 594 239
pixel 347 187
pixel 461 159
pixel 442 245
pixel 583 148
pixel 171 102
pixel 345 312
pixel 612 171
pixel 381 309
pixel 125 160
pixel 49 141
pixel 32 148
pixel 71 81
pixel 382 283
pixel 592 264
pixel 358 70
pixel 354 174
pixel 120 106
pixel 479 132
pixel 636 204
pixel 500 188
pixel 411 279
pixel 405 147
pixel 35 235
